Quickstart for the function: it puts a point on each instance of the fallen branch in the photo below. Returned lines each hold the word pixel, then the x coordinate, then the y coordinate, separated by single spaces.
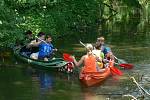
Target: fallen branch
pixel 140 87
pixel 128 95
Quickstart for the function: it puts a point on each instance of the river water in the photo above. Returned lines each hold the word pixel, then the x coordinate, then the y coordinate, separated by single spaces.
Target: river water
pixel 20 81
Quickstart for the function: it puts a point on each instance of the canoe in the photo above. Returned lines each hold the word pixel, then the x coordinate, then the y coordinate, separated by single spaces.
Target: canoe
pixel 94 78
pixel 52 63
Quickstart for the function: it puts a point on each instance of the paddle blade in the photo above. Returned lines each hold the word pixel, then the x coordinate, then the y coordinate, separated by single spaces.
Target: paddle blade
pixel 116 71
pixel 67 57
pixel 126 66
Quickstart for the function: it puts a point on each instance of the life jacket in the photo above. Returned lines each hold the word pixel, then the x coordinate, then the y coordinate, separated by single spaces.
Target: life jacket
pixel 89 64
pixel 45 50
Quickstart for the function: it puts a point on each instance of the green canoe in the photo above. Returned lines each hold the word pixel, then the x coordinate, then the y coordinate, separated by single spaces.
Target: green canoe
pixel 52 63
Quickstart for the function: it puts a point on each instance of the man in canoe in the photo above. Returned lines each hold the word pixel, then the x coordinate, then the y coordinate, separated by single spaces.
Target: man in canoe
pixel 105 49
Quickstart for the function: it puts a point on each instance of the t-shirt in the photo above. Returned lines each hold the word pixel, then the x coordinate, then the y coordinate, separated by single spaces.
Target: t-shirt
pixel 45 50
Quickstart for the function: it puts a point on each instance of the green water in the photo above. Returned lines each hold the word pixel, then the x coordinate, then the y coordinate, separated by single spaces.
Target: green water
pixel 20 81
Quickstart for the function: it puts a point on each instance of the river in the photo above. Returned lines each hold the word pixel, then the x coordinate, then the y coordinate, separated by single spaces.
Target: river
pixel 20 81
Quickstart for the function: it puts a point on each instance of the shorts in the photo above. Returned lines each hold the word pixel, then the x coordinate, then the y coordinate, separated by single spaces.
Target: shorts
pixel 34 55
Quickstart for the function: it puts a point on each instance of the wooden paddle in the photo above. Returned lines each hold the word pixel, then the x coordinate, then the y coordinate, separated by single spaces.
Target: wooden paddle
pixel 123 64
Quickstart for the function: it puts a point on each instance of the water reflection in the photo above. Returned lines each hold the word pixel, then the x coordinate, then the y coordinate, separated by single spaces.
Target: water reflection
pixel 46 85
pixel 42 83
pixel 46 81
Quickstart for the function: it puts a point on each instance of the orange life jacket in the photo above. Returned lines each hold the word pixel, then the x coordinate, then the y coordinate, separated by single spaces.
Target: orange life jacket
pixel 89 64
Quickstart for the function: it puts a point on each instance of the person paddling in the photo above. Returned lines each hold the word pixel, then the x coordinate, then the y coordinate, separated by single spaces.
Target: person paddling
pixel 88 60
pixel 34 45
pixel 46 49
pixel 100 56
pixel 105 49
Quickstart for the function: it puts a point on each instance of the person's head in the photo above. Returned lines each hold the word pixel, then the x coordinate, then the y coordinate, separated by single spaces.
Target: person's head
pixel 101 40
pixel 97 44
pixel 48 39
pixel 89 48
pixel 28 34
pixel 41 35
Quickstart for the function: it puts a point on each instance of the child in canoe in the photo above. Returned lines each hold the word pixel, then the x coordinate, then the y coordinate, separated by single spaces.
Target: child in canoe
pixel 34 45
pixel 100 55
pixel 46 49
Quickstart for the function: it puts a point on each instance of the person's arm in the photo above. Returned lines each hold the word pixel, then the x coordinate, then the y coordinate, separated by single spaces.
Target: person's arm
pixel 53 49
pixel 79 62
pixel 33 44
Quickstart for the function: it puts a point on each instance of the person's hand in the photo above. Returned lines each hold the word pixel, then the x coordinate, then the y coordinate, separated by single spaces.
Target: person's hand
pixel 99 59
pixel 55 49
pixel 73 57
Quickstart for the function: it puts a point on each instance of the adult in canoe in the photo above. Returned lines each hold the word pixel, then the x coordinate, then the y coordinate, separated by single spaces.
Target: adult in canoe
pixel 105 49
pixel 88 60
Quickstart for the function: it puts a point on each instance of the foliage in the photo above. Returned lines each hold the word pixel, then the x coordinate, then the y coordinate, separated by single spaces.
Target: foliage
pixel 9 31
pixel 57 17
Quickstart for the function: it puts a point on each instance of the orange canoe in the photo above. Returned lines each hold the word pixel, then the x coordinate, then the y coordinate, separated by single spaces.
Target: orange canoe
pixel 94 78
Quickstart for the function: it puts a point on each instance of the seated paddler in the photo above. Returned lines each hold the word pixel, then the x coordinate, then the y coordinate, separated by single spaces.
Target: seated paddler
pixel 46 49
pixel 100 56
pixel 88 60
pixel 34 45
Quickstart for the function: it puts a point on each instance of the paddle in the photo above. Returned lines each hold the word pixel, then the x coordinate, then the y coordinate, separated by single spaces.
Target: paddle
pixel 116 71
pixel 113 69
pixel 67 57
pixel 123 64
